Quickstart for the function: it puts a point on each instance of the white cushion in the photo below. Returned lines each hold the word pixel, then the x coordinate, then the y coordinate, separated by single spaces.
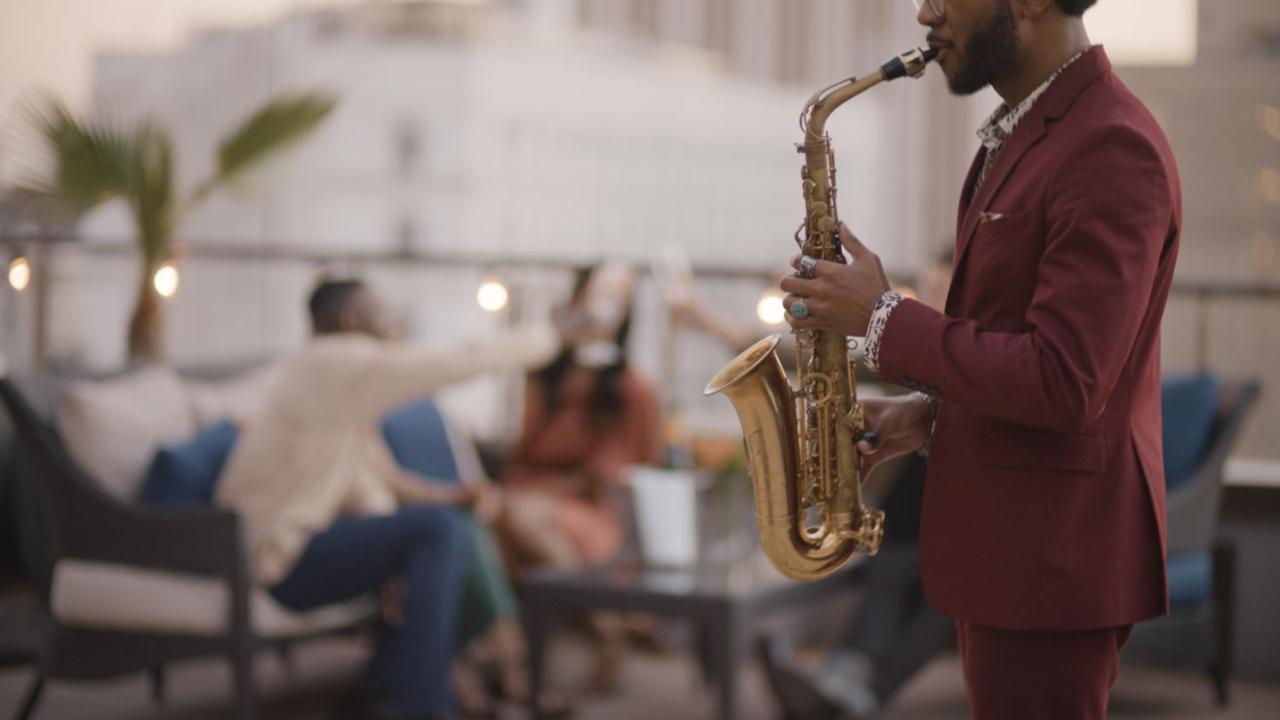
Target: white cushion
pixel 109 596
pixel 112 428
pixel 239 398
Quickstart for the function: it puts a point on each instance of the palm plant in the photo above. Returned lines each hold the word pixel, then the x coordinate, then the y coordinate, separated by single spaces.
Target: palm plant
pixel 93 161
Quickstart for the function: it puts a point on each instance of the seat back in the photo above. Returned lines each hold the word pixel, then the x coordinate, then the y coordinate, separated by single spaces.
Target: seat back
pixel 1192 507
pixel 418 436
pixel 67 498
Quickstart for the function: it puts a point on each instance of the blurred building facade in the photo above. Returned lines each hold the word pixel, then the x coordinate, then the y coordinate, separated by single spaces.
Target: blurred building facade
pixel 508 137
pixel 472 139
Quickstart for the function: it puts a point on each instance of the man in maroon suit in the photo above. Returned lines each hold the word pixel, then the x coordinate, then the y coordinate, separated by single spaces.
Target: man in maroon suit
pixel 1039 388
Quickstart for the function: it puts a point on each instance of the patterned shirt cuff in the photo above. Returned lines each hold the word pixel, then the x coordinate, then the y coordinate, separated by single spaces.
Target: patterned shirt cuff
pixel 875 328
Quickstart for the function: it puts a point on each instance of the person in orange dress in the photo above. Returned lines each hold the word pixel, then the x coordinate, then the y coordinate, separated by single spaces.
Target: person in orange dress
pixel 587 417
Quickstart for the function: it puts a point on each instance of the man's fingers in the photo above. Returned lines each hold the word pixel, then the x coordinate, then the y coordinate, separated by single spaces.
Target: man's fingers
pixel 796 323
pixel 797 286
pixel 852 243
pixel 798 307
pixel 820 267
pixel 868 443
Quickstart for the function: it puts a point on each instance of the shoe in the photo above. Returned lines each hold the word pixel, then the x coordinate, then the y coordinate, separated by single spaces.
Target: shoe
pixel 796 695
pixel 365 704
pixel 840 691
pixel 845 681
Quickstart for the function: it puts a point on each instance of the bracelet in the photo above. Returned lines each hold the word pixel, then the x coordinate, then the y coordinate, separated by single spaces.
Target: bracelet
pixel 931 402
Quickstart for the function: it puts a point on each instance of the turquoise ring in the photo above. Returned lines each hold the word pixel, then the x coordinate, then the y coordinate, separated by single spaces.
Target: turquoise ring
pixel 799 309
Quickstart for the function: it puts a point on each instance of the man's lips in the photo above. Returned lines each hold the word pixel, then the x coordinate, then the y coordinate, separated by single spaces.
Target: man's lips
pixel 943 48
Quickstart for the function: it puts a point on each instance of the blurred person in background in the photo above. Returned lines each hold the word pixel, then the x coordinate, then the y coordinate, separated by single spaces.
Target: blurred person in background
pixel 895 631
pixel 330 516
pixel 587 416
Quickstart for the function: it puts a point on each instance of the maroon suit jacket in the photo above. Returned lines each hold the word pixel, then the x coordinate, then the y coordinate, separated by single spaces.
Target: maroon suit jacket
pixel 1044 501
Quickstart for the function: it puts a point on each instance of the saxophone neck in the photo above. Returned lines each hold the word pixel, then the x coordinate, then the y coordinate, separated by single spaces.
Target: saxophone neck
pixel 911 63
pixel 813 119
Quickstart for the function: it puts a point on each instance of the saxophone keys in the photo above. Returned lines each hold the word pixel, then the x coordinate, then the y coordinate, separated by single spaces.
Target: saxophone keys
pixel 856 419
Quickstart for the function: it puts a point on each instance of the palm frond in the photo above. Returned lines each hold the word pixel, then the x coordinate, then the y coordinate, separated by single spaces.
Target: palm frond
pixel 90 162
pixel 151 193
pixel 276 125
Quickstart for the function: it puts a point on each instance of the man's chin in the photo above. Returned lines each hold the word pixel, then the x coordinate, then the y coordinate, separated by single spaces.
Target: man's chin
pixel 962 86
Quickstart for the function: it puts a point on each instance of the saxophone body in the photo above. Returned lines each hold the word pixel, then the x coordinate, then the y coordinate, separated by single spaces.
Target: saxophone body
pixel 801 444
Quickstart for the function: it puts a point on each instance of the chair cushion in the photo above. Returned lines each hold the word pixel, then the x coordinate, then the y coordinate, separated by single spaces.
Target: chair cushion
pixel 239 398
pixel 112 428
pixel 184 475
pixel 1190 579
pixel 107 596
pixel 1189 408
pixel 419 439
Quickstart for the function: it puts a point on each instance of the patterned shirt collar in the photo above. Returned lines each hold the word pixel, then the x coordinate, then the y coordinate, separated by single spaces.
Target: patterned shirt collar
pixel 997 129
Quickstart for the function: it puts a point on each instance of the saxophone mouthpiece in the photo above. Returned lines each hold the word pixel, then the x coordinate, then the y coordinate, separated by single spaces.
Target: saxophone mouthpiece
pixel 911 63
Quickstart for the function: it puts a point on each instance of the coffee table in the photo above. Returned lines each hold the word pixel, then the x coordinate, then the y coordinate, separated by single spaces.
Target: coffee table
pixel 722 598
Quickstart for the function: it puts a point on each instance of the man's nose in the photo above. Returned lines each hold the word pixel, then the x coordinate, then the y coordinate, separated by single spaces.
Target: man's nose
pixel 927 17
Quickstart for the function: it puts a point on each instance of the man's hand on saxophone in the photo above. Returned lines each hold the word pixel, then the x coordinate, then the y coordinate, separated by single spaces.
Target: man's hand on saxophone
pixel 841 299
pixel 836 297
pixel 901 425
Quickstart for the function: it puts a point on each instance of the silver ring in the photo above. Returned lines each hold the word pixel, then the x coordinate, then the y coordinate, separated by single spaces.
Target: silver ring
pixel 799 309
pixel 808 267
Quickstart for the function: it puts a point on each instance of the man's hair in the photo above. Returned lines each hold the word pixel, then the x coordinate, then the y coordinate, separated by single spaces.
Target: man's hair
pixel 327 302
pixel 1075 7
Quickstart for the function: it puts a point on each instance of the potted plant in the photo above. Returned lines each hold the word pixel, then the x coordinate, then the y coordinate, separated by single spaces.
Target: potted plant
pixel 93 161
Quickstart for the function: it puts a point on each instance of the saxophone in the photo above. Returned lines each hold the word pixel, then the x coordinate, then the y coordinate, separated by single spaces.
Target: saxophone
pixel 801 444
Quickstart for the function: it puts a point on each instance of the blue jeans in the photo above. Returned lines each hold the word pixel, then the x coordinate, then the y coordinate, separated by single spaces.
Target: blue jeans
pixel 429 549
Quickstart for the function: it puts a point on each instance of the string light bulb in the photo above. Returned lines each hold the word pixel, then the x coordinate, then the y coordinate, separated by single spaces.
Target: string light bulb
pixel 769 309
pixel 20 273
pixel 1269 120
pixel 492 295
pixel 166 280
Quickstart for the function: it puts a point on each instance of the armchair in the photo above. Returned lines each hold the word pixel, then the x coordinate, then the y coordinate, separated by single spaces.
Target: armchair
pixel 1201 565
pixel 132 587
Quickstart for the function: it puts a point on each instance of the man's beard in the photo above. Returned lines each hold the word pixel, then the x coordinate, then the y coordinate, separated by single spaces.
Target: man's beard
pixel 991 52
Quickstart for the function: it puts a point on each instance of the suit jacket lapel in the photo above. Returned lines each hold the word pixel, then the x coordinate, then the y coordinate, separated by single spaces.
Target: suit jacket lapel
pixel 1024 137
pixel 1052 105
pixel 966 198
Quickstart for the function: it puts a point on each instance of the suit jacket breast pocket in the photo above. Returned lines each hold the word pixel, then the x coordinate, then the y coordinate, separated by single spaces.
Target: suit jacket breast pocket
pixel 1012 229
pixel 1004 444
pixel 1002 262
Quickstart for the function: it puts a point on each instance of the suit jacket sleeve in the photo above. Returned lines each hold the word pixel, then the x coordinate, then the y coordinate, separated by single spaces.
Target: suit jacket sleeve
pixel 1108 209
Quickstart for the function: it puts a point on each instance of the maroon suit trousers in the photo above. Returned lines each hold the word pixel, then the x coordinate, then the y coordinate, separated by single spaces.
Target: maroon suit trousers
pixel 1039 675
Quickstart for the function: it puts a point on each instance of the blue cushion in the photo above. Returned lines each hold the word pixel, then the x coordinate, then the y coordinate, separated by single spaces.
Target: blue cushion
pixel 185 475
pixel 419 440
pixel 1190 579
pixel 1189 407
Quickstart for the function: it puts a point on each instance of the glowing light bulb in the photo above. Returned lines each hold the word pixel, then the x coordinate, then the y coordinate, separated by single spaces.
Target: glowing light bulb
pixel 769 309
pixel 1269 120
pixel 1263 250
pixel 493 296
pixel 1267 184
pixel 20 274
pixel 166 281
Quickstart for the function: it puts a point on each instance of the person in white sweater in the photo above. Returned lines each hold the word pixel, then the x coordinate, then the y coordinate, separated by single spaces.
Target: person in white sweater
pixel 330 516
